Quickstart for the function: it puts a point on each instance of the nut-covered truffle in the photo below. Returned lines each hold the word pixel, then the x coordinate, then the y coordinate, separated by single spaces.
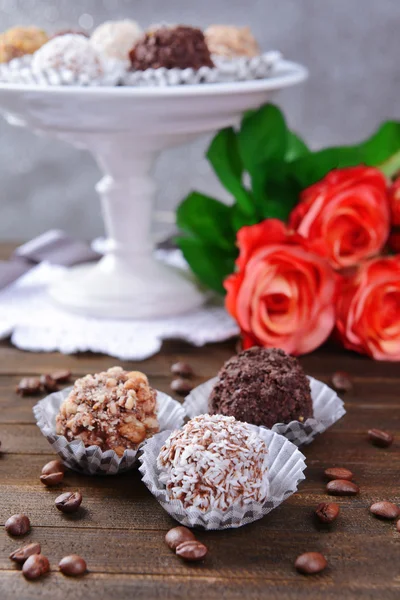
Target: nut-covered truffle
pixel 231 42
pixel 262 386
pixel 18 41
pixel 114 410
pixel 115 39
pixel 70 52
pixel 171 47
pixel 214 462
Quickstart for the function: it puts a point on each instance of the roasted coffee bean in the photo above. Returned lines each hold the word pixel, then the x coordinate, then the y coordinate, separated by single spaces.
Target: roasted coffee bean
pixel 385 510
pixel 68 502
pixel 29 386
pixel 310 563
pixel 183 369
pixel 338 473
pixel 342 487
pixel 380 438
pixel 52 478
pixel 342 382
pixel 180 386
pixel 61 375
pixel 21 554
pixel 327 512
pixel 48 383
pixel 398 526
pixel 54 466
pixel 73 565
pixel 35 566
pixel 177 536
pixel 17 525
pixel 191 551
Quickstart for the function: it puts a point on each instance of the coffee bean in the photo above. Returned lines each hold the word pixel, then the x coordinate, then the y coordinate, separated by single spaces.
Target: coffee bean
pixel 183 369
pixel 380 438
pixel 180 386
pixel 191 550
pixel 29 386
pixel 61 375
pixel 68 502
pixel 48 383
pixel 385 510
pixel 327 512
pixel 17 525
pixel 338 473
pixel 35 566
pixel 177 536
pixel 310 563
pixel 342 487
pixel 398 526
pixel 342 382
pixel 52 478
pixel 54 466
pixel 21 554
pixel 72 565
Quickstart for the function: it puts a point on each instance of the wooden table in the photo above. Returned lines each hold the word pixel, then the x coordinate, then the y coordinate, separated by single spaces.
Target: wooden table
pixel 121 530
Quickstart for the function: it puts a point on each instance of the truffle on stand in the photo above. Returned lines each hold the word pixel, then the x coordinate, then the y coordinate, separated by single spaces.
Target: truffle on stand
pixel 19 41
pixel 231 42
pixel 115 39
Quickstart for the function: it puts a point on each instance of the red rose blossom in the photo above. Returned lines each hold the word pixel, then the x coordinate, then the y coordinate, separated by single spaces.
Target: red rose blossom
pixel 348 211
pixel 283 293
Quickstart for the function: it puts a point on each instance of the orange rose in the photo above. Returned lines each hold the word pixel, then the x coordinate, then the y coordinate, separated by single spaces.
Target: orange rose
pixel 394 200
pixel 283 293
pixel 368 310
pixel 348 210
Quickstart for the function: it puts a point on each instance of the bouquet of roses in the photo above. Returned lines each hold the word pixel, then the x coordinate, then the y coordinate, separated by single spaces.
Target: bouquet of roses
pixel 308 247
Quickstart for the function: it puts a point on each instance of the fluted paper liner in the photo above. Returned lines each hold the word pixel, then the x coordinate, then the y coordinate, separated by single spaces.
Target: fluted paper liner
pixel 92 460
pixel 327 407
pixel 285 471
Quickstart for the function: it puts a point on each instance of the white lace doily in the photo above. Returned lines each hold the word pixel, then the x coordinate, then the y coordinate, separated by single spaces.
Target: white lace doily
pixel 34 323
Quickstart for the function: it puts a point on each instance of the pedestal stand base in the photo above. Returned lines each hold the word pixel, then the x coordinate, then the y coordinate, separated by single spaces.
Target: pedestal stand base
pixel 111 289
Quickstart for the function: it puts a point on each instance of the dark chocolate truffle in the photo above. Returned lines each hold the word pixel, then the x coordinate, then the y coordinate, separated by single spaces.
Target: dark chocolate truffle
pixel 262 386
pixel 171 47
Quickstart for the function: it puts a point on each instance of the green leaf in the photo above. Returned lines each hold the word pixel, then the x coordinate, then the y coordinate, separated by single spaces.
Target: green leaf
pixel 224 157
pixel 240 218
pixel 211 264
pixel 275 189
pixel 314 166
pixel 263 136
pixel 207 219
pixel 296 147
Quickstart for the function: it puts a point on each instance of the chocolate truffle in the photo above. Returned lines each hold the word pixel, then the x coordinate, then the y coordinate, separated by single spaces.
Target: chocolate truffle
pixel 171 47
pixel 18 41
pixel 231 42
pixel 114 410
pixel 115 39
pixel 70 52
pixel 262 386
pixel 214 462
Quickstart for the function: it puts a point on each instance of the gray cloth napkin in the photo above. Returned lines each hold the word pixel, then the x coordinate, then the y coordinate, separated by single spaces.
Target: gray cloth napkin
pixel 55 246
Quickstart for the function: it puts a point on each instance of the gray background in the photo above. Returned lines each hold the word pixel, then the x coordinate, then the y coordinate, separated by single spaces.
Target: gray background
pixel 351 48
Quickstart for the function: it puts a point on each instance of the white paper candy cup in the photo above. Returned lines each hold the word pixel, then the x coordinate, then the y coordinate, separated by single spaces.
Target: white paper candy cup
pixel 285 468
pixel 92 460
pixel 327 407
pixel 244 68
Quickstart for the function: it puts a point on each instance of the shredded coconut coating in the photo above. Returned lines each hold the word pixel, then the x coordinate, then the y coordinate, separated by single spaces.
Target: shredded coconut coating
pixel 231 41
pixel 115 39
pixel 114 410
pixel 71 52
pixel 214 462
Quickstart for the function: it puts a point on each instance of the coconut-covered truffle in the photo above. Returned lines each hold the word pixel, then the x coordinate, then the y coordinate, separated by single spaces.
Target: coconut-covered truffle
pixel 231 42
pixel 115 39
pixel 262 386
pixel 114 410
pixel 171 47
pixel 214 462
pixel 70 52
pixel 18 41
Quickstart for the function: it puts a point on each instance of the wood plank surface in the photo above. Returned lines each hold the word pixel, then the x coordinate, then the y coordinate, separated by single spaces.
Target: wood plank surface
pixel 120 527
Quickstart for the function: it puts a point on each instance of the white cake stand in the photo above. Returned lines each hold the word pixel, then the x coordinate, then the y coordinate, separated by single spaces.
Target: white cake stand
pixel 125 128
